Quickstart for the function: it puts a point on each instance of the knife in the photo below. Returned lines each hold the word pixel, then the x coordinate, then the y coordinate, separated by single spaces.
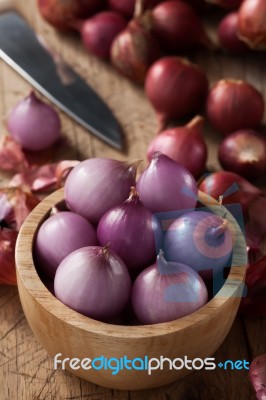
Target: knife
pixel 42 68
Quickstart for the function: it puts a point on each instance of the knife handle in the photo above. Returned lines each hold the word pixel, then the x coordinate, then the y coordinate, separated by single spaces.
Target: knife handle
pixel 6 5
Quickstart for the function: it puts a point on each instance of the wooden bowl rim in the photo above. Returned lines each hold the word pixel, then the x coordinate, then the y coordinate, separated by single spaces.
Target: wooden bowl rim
pixel 31 281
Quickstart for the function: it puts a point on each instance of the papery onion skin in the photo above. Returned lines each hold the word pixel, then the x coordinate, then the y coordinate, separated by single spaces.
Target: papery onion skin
pixel 176 88
pixel 167 186
pixel 98 184
pixel 132 231
pixel 12 157
pixel 252 23
pixel 22 202
pixel 244 152
pixel 233 105
pixel 228 34
pixel 133 51
pixel 93 281
pixel 183 144
pixel 233 187
pixel 34 124
pixel 177 26
pixel 99 32
pixel 208 239
pixel 60 13
pixel 162 294
pixel 257 374
pixel 60 235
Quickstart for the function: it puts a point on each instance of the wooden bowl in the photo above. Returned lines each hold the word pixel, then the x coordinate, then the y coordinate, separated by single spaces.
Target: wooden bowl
pixel 62 330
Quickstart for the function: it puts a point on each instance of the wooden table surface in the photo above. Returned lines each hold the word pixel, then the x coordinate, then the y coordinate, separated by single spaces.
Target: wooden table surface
pixel 26 371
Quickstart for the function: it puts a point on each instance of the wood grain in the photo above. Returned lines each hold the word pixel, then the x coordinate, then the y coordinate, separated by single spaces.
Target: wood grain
pixel 26 371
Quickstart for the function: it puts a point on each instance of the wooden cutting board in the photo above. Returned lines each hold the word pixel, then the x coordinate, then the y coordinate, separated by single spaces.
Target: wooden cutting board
pixel 26 371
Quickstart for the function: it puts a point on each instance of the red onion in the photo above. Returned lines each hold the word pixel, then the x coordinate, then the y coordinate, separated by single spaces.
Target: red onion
pixel 257 374
pixel 252 23
pixel 226 3
pixel 183 144
pixel 132 232
pixel 176 26
pixel 99 32
pixel 176 88
pixel 255 301
pixel 98 184
pixel 34 124
pixel 133 51
pixel 244 152
pixel 93 281
pixel 59 236
pixel 228 34
pixel 207 237
pixel 166 185
pixel 60 13
pixel 232 187
pixel 233 105
pixel 167 291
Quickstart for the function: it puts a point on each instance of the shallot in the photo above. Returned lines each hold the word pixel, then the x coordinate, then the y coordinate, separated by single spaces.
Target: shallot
pixel 132 231
pixel 183 144
pixel 99 32
pixel 166 185
pixel 176 26
pixel 166 291
pixel 59 236
pixel 133 51
pixel 228 34
pixel 232 187
pixel 208 238
pixel 252 23
pixel 98 184
pixel 176 88
pixel 233 105
pixel 60 13
pixel 244 152
pixel 93 281
pixel 34 124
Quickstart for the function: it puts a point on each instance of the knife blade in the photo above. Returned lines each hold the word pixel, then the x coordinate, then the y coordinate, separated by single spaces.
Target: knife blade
pixel 23 51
